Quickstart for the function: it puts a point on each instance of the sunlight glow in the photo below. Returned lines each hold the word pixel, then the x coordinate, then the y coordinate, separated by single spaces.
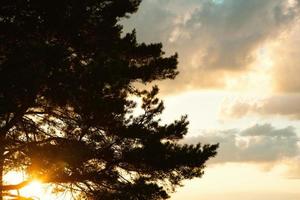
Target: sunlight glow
pixel 257 81
pixel 13 177
pixel 36 189
pixel 33 190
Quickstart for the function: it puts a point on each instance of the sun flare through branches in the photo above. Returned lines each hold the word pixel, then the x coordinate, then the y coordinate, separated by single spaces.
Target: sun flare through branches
pixel 34 189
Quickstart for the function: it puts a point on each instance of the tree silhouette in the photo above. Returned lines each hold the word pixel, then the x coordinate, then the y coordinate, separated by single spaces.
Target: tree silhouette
pixel 66 79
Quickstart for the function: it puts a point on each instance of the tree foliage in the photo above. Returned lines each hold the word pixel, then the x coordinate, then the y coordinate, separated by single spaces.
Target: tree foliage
pixel 66 79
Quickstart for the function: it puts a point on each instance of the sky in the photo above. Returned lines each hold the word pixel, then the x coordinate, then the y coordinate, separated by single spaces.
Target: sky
pixel 239 63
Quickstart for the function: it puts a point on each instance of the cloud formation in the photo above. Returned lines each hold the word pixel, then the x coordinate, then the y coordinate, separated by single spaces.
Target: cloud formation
pixel 228 32
pixel 286 60
pixel 259 143
pixel 284 105
pixel 215 39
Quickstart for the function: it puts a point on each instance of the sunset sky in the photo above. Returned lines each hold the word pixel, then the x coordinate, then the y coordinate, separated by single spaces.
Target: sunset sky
pixel 239 63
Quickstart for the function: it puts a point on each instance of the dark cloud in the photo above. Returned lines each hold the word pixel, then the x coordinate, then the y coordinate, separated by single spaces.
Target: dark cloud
pixel 260 143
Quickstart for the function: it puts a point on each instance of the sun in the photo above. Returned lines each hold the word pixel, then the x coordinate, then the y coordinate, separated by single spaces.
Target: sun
pixel 35 189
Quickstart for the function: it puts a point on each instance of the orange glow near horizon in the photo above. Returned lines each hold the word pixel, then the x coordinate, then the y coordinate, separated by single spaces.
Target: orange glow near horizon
pixel 232 181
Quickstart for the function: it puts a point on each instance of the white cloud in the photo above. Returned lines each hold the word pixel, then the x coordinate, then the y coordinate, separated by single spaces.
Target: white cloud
pixel 259 143
pixel 284 105
pixel 286 60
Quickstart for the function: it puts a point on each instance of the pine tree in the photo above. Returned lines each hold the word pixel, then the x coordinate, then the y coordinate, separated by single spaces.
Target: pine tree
pixel 67 78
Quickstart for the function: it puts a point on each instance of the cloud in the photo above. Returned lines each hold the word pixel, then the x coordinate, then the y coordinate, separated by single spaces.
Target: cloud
pixel 156 20
pixel 229 32
pixel 284 105
pixel 259 143
pixel 214 38
pixel 286 61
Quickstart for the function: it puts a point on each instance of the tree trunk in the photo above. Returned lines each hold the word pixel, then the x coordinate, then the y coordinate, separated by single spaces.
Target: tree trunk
pixel 2 158
pixel 1 167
